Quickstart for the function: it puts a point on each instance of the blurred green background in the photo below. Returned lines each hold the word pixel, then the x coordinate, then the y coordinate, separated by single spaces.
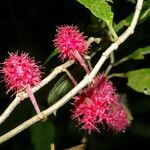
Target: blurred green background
pixel 29 26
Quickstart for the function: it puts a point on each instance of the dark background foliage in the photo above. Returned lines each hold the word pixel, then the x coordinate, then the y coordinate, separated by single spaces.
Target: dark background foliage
pixel 29 26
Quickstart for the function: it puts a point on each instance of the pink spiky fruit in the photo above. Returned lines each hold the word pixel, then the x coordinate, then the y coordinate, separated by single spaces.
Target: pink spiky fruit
pixel 98 104
pixel 21 73
pixel 71 44
pixel 118 118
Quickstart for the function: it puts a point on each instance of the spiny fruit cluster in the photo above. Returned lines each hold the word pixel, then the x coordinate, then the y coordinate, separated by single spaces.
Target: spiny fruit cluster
pixel 98 104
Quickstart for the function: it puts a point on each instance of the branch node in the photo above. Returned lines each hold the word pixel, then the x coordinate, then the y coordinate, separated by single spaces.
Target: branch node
pixel 138 7
pixel 115 45
pixel 42 116
pixel 105 55
pixel 21 95
pixel 88 79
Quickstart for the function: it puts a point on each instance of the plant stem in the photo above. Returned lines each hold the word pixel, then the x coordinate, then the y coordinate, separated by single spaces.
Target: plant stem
pixel 120 75
pixel 112 60
pixel 121 61
pixel 32 98
pixel 113 32
pixel 70 77
pixel 88 59
pixel 52 146
pixel 81 61
pixel 92 39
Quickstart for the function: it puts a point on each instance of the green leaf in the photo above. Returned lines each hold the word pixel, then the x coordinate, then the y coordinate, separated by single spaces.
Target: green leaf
pixel 144 15
pixel 42 135
pixel 123 23
pixel 54 53
pixel 62 86
pixel 139 80
pixel 139 53
pixel 100 9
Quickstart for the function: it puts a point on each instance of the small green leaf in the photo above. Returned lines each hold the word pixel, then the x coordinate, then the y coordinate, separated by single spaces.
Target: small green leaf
pixel 144 15
pixel 62 86
pixel 123 23
pixel 139 80
pixel 100 9
pixel 42 135
pixel 54 53
pixel 139 53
